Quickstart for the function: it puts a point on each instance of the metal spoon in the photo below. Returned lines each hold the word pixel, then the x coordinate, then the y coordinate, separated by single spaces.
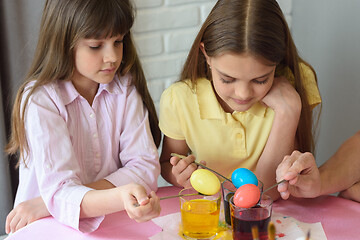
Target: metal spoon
pixel 173 196
pixel 258 203
pixel 272 186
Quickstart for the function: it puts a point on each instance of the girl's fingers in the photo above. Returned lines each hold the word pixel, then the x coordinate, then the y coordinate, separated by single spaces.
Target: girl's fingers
pixel 179 165
pixel 155 203
pixel 8 221
pixel 154 197
pixel 183 169
pixel 203 163
pixel 135 195
pixel 14 222
pixel 141 196
pixel 184 163
pixel 146 212
pixel 185 175
pixel 174 160
pixel 22 223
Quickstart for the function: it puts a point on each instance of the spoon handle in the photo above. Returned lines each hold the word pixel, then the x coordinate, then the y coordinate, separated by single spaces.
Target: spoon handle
pixel 274 186
pixel 258 203
pixel 277 184
pixel 173 196
pixel 181 195
pixel 201 165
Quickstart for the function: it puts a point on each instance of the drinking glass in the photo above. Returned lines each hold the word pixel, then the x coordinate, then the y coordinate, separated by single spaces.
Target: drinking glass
pixel 199 214
pixel 228 190
pixel 243 219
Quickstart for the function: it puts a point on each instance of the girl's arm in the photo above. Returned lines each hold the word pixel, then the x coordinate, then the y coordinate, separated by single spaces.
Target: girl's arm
pixel 100 185
pixel 25 213
pixel 173 169
pixel 101 202
pixel 138 154
pixel 286 103
pixel 35 209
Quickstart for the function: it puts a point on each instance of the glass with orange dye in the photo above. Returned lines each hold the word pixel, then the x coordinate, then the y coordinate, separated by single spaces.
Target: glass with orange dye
pixel 199 214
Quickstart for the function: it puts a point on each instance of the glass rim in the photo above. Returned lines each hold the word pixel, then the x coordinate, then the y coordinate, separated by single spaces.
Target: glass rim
pixel 226 181
pixel 217 194
pixel 231 201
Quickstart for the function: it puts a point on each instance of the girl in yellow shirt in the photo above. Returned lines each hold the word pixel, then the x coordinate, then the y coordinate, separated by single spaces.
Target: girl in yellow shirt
pixel 245 97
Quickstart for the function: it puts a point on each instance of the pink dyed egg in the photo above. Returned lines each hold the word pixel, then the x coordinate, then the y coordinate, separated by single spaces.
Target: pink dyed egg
pixel 247 196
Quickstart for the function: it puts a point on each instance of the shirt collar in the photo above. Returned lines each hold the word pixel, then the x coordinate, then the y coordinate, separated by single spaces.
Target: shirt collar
pixel 210 107
pixel 257 110
pixel 69 93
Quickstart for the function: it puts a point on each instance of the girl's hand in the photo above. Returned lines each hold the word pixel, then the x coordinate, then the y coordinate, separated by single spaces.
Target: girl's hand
pixel 182 169
pixel 283 96
pixel 25 213
pixel 134 195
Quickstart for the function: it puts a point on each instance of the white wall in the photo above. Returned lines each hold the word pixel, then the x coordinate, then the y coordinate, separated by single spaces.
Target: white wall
pixel 163 33
pixel 327 34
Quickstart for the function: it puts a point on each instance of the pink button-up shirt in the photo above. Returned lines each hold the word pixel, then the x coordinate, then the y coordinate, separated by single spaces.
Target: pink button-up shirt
pixel 72 143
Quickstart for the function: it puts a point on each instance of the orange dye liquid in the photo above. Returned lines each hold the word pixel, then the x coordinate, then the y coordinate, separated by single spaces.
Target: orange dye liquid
pixel 200 218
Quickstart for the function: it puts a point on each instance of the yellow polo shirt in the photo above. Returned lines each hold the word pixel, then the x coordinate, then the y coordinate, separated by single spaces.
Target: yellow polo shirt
pixel 226 141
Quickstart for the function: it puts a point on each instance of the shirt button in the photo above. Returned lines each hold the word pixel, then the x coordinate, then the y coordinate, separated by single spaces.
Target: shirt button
pixel 239 136
pixel 95 135
pixel 97 155
pixel 91 115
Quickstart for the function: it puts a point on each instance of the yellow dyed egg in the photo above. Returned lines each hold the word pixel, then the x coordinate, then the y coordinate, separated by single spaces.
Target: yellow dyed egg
pixel 205 182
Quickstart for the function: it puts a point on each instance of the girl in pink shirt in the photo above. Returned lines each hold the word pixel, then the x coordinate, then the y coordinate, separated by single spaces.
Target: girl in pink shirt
pixel 84 122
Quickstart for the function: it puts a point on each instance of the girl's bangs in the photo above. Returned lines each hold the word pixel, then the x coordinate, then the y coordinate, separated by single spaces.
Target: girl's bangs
pixel 108 20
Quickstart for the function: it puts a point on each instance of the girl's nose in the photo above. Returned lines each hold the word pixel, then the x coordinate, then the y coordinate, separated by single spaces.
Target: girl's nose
pixel 243 91
pixel 110 55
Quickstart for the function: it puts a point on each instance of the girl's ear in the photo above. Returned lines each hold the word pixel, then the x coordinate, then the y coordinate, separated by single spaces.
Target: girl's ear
pixel 202 48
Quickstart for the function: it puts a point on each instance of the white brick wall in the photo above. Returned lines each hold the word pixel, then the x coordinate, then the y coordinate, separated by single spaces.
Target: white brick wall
pixel 163 33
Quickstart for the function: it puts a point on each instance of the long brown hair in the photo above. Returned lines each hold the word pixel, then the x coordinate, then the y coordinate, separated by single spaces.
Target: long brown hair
pixel 257 27
pixel 63 23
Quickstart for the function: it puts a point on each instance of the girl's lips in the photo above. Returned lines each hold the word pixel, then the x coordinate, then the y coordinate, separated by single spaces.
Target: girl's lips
pixel 108 70
pixel 242 102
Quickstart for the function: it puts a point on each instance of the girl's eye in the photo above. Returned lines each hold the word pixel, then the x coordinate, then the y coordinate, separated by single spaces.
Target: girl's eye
pixel 226 81
pixel 95 47
pixel 119 42
pixel 261 82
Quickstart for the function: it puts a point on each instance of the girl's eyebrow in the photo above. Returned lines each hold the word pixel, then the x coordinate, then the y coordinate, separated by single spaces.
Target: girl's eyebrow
pixel 119 38
pixel 265 75
pixel 92 40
